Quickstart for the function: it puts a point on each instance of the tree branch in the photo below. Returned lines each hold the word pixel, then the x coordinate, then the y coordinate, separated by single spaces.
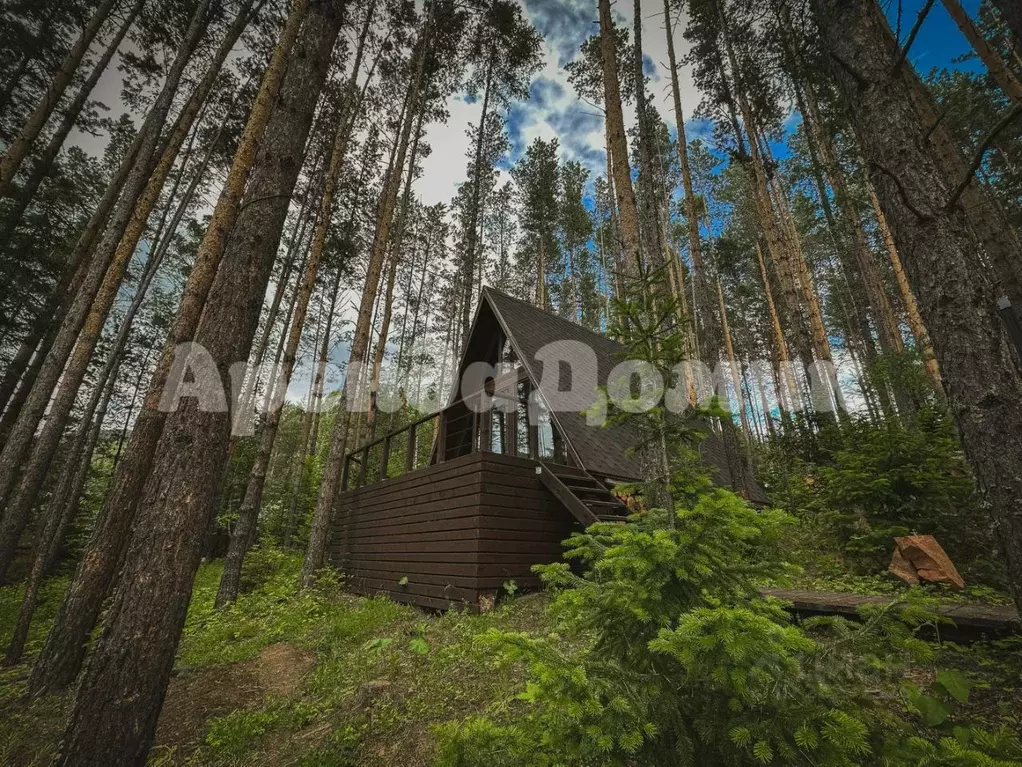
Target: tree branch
pixel 902 191
pixel 861 81
pixel 977 161
pixel 912 37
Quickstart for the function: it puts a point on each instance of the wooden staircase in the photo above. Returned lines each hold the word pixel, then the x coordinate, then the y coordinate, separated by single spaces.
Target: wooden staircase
pixel 588 499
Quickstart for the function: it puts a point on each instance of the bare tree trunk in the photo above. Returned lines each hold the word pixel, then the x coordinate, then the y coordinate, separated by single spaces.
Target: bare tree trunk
pixel 691 211
pixel 243 534
pixel 381 346
pixel 115 713
pixel 18 150
pixel 999 69
pixel 50 319
pixel 628 211
pixel 329 488
pixel 787 387
pixel 471 233
pixel 736 376
pixel 889 334
pixel 63 504
pixel 308 441
pixel 981 369
pixel 64 651
pixel 986 218
pixel 113 253
pixel 915 321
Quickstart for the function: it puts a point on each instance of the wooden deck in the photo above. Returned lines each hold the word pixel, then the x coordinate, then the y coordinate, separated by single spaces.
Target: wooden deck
pixel 971 621
pixel 449 533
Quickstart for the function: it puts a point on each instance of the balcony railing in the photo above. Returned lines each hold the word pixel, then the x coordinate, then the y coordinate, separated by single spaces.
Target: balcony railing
pixel 458 430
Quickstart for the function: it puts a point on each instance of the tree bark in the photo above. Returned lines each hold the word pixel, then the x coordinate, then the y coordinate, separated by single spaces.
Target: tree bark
pixel 691 211
pixel 329 488
pixel 628 211
pixel 988 221
pixel 115 713
pixel 915 321
pixel 997 66
pixel 981 369
pixel 19 149
pixel 62 505
pixel 115 249
pixel 381 346
pixel 471 234
pixel 887 325
pixel 243 534
pixel 64 651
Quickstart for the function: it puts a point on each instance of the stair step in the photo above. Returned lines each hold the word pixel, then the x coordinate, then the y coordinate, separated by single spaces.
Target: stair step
pixel 590 490
pixel 608 504
pixel 610 518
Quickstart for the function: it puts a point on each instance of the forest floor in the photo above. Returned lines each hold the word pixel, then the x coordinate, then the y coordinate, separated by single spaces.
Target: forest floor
pixel 328 678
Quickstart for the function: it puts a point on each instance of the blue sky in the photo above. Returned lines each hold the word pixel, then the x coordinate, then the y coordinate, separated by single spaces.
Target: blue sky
pixel 553 110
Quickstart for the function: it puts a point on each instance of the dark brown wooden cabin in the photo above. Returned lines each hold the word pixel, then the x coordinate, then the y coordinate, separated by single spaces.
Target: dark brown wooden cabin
pixel 450 514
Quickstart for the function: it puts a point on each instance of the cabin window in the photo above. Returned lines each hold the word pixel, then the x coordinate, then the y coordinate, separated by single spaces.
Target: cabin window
pixel 509 360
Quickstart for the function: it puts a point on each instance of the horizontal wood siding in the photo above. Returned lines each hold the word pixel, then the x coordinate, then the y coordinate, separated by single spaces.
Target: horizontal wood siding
pixel 449 533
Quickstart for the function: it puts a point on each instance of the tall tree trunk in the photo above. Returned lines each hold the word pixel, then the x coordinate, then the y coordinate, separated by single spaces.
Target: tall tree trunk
pixel 876 294
pixel 109 264
pixel 999 70
pixel 62 655
pixel 115 713
pixel 691 209
pixel 62 504
pixel 981 369
pixel 778 246
pixel 243 534
pixel 786 385
pixel 55 310
pixel 736 376
pixel 988 221
pixel 329 488
pixel 15 154
pixel 381 347
pixel 628 211
pixel 309 440
pixel 915 321
pixel 44 162
pixel 471 233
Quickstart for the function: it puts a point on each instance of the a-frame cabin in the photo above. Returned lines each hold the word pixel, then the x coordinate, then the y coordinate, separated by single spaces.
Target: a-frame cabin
pixel 492 493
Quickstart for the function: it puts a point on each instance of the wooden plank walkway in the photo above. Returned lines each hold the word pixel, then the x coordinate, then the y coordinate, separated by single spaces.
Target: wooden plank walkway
pixel 969 619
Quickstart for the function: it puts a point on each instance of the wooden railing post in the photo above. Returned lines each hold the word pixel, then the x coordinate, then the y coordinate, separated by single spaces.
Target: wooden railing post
pixel 385 460
pixel 410 450
pixel 364 467
pixel 511 426
pixel 441 431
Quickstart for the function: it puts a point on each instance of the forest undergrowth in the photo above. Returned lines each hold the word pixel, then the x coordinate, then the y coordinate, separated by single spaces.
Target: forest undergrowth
pixel 324 677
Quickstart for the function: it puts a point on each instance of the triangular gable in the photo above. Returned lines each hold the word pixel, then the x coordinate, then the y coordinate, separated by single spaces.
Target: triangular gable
pixel 600 450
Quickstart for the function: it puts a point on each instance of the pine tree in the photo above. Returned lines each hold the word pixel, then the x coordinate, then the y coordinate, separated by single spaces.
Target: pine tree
pixel 981 369
pixel 117 705
pixel 64 651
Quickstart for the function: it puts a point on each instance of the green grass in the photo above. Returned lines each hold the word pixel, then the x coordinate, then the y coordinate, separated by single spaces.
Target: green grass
pixel 371 678
pixel 377 677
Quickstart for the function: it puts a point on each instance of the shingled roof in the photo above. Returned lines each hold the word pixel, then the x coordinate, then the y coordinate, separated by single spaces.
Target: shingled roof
pixel 601 450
